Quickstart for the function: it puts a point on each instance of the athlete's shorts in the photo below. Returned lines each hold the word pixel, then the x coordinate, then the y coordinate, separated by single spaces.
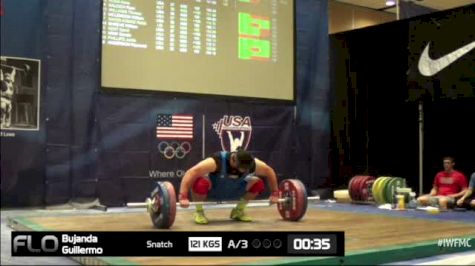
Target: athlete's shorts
pixel 227 188
pixel 434 201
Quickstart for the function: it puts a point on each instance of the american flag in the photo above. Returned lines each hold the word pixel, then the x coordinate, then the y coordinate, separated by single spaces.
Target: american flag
pixel 174 126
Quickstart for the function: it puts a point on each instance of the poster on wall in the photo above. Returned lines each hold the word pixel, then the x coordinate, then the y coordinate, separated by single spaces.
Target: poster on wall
pixel 20 93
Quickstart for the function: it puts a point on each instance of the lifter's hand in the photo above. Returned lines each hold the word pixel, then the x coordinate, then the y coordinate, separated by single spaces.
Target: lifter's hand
pixel 184 201
pixel 274 197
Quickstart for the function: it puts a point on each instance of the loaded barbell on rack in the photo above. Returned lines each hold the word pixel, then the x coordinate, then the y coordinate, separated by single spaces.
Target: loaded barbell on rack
pixel 292 203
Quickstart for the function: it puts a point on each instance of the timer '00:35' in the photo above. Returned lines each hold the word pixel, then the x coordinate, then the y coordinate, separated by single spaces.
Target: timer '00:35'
pixel 311 243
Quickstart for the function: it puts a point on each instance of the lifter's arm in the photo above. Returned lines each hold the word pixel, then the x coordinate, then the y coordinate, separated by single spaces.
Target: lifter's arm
pixel 262 169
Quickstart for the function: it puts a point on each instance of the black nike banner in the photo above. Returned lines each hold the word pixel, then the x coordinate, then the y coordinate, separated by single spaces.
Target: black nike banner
pixel 442 54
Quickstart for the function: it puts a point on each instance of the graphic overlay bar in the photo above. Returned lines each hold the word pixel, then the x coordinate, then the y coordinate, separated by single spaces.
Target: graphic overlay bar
pixel 178 244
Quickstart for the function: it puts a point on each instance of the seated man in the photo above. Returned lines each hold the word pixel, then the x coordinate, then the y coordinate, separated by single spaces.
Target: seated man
pixel 227 172
pixel 448 185
pixel 468 199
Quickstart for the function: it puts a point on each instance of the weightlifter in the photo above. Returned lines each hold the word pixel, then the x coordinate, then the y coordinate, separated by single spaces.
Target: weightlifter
pixel 242 171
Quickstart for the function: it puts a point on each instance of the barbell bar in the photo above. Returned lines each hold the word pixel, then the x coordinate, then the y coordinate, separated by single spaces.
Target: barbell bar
pixel 251 203
pixel 25 69
pixel 193 203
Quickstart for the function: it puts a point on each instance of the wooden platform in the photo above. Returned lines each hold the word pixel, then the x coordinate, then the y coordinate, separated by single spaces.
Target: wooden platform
pixel 367 236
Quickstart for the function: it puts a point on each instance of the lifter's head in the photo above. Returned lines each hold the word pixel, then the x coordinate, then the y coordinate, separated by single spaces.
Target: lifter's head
pixel 242 160
pixel 8 77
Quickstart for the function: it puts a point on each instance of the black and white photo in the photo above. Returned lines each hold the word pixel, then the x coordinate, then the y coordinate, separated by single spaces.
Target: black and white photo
pixel 20 87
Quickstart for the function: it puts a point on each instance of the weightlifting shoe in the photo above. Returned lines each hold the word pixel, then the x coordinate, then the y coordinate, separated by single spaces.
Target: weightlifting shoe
pixel 239 215
pixel 200 217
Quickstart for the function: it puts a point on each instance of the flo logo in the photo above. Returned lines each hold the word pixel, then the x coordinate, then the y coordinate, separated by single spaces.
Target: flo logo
pixel 49 243
pixel 233 131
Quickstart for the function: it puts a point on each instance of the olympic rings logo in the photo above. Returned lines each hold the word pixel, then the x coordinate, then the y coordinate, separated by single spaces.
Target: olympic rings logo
pixel 174 149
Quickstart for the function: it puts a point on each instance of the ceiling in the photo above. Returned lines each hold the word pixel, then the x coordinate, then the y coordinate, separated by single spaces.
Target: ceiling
pixel 434 4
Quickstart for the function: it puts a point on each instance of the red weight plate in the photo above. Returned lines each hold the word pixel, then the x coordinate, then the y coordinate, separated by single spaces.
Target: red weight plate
pixel 353 188
pixel 350 188
pixel 363 188
pixel 356 187
pixel 296 205
pixel 172 200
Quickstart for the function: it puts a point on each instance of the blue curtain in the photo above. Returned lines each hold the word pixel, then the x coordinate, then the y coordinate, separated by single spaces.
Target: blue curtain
pixel 313 115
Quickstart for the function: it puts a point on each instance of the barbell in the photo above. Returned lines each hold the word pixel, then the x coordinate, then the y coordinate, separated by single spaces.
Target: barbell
pixel 291 205
pixel 26 68
pixel 252 203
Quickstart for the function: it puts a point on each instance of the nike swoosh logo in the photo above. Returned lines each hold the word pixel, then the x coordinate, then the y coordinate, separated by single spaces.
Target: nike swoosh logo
pixel 429 67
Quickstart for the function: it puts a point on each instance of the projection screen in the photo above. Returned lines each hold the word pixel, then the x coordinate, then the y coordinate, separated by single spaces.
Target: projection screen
pixel 241 48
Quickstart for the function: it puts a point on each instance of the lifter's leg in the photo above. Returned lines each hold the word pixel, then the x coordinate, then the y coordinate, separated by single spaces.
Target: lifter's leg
pixel 254 187
pixel 199 192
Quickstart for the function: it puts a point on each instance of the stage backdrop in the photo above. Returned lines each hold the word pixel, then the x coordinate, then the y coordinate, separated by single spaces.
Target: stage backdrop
pixel 90 143
pixel 379 75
